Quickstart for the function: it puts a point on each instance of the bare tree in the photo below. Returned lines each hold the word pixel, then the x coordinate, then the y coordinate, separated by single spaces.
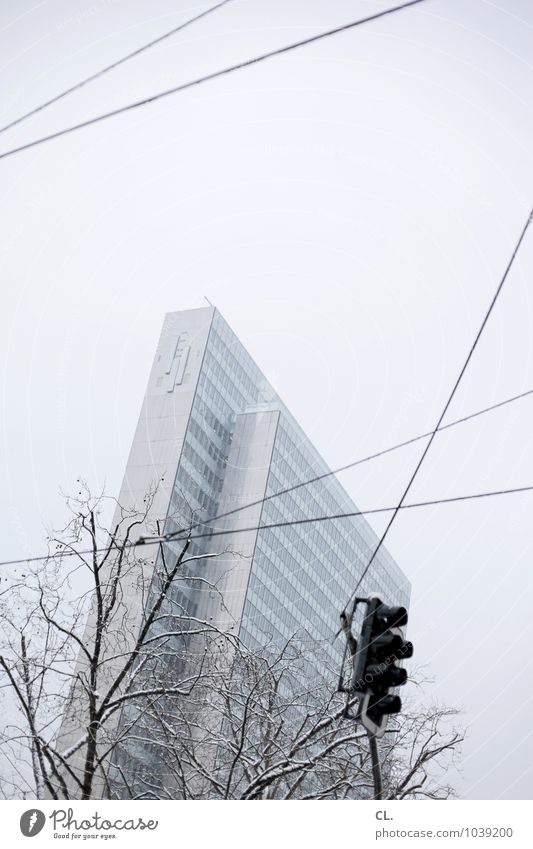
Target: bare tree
pixel 422 745
pixel 120 690
pixel 267 725
pixel 87 637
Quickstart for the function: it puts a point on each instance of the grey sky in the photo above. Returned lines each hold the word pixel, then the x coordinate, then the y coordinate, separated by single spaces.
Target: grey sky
pixel 350 208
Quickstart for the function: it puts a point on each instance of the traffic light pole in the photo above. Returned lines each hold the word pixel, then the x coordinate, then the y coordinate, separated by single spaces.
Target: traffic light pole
pixel 376 766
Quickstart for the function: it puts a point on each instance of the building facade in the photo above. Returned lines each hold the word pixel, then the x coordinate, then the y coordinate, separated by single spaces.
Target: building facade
pixel 219 436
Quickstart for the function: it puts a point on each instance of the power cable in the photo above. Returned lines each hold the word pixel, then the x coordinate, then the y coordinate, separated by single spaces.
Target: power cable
pixel 113 65
pixel 199 80
pixel 322 476
pixel 445 410
pixel 358 462
pixel 288 523
pixel 310 520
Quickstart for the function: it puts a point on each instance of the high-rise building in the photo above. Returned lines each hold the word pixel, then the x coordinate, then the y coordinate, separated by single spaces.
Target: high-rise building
pixel 218 434
pixel 214 436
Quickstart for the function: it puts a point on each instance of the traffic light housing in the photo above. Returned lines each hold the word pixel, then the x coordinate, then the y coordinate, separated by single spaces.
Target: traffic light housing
pixel 379 649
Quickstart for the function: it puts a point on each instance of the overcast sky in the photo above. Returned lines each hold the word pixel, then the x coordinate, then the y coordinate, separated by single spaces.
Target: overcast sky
pixel 350 208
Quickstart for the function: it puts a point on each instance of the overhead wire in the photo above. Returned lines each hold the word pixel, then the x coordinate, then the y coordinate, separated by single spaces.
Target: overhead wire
pixel 348 515
pixel 185 533
pixel 445 409
pixel 209 521
pixel 111 67
pixel 207 77
pixel 354 463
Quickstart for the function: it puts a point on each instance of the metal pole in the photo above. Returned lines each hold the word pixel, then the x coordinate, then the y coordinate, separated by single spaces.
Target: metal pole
pixel 376 768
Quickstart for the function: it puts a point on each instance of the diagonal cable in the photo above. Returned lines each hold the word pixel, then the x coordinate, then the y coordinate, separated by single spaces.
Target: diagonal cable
pixel 351 465
pixel 446 406
pixel 284 524
pixel 171 536
pixel 287 523
pixel 110 67
pixel 207 77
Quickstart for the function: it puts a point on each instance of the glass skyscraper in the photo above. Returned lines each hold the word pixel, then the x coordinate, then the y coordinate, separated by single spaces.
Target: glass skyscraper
pixel 217 442
pixel 299 576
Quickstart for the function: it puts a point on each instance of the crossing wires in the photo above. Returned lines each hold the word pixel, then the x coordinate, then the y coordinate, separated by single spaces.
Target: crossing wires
pixel 351 465
pixel 77 86
pixel 445 410
pixel 204 523
pixel 186 533
pixel 246 63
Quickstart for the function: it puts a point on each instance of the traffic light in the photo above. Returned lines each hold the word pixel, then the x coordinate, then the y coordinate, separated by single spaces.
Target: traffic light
pixel 379 649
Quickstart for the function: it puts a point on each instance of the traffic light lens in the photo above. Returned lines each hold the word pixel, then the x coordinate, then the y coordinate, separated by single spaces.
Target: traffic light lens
pixel 387 644
pixel 396 617
pixel 393 704
pixel 385 705
pixel 407 650
pixel 398 676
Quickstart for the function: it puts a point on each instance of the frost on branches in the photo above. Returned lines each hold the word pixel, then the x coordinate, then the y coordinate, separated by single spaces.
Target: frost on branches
pixel 114 686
